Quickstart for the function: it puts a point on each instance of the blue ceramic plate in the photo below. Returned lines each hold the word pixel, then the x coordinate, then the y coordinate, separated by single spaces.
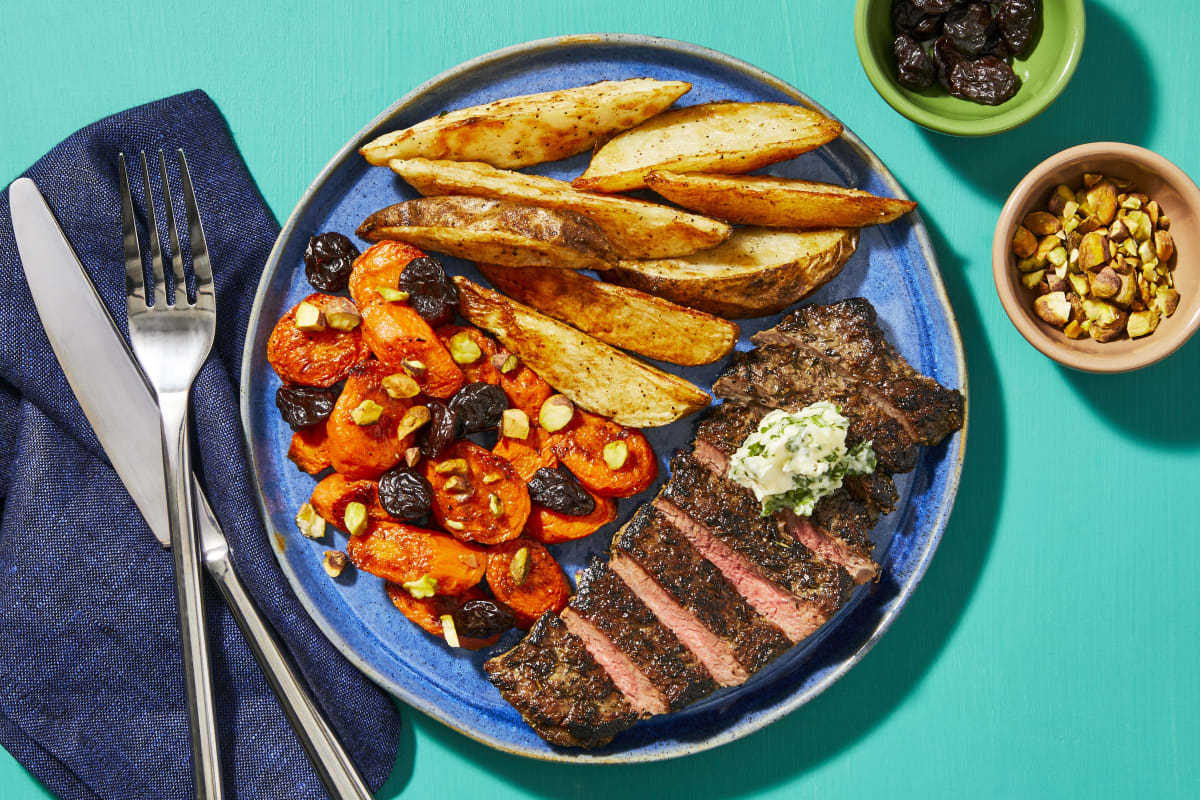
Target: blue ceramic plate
pixel 894 267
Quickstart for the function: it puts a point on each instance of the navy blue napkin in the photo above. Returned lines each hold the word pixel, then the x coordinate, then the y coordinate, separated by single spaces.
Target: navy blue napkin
pixel 91 692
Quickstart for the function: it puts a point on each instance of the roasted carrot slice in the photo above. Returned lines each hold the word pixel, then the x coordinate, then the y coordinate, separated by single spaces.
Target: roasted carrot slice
pixel 361 449
pixel 314 358
pixel 526 455
pixel 426 612
pixel 379 265
pixel 522 386
pixel 581 445
pixel 477 496
pixel 309 449
pixel 424 559
pixel 481 369
pixel 529 589
pixel 334 492
pixel 551 527
pixel 525 389
pixel 396 333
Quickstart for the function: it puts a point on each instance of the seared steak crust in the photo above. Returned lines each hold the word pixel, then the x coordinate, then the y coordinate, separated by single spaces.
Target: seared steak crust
pixel 792 378
pixel 847 333
pixel 609 604
pixel 698 586
pixel 732 514
pixel 560 690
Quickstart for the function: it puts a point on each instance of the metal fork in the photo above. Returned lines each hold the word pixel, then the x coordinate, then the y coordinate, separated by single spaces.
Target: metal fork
pixel 171 341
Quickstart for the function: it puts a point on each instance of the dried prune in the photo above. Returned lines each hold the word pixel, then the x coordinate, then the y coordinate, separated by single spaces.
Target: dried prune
pixel 945 56
pixel 328 261
pixel 916 69
pixel 988 80
pixel 405 494
pixel 972 29
pixel 934 6
pixel 1016 20
pixel 482 619
pixel 558 490
pixel 304 406
pixel 907 18
pixel 479 406
pixel 441 430
pixel 431 292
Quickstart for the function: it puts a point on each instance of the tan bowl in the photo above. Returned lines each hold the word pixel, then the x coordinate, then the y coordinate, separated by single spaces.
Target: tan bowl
pixel 1179 199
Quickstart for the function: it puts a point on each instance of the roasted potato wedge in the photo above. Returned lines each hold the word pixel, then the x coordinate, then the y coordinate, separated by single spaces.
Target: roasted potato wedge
pixel 711 137
pixel 592 374
pixel 757 271
pixel 531 129
pixel 617 315
pixel 494 231
pixel 776 202
pixel 635 228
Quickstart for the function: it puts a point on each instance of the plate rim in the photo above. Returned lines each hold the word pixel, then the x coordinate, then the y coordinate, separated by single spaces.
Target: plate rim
pixel 624 40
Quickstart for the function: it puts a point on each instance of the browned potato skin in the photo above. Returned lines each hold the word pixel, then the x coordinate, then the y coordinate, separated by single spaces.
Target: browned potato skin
pixel 314 358
pixel 495 231
pixel 776 202
pixel 617 315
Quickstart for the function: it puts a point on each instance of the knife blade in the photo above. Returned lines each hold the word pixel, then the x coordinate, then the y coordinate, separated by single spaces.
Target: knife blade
pixel 112 390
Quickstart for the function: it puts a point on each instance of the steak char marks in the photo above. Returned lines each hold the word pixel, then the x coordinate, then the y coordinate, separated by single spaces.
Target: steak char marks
pixel 701 590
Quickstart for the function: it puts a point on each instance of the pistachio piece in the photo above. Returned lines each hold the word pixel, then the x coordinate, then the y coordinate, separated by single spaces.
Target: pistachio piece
pixel 400 386
pixel 1024 243
pixel 1057 257
pixel 414 367
pixel 355 518
pixel 1164 222
pixel 308 318
pixel 1142 323
pixel 1153 211
pixel 1118 231
pixel 1093 251
pixel 1079 282
pixel 1088 224
pixel 342 314
pixel 412 456
pixel 458 484
pixel 514 423
pixel 1056 282
pixel 1031 279
pixel 412 420
pixel 449 632
pixel 491 477
pixel 367 412
pixel 1128 291
pixel 452 466
pixel 1027 265
pixel 424 586
pixel 1107 321
pixel 1164 245
pixel 309 522
pixel 1106 283
pixel 1090 179
pixel 334 562
pixel 556 413
pixel 495 505
pixel 463 348
pixel 1040 223
pixel 615 454
pixel 1054 308
pixel 454 525
pixel 1058 201
pixel 1074 330
pixel 1166 300
pixel 519 566
pixel 392 295
pixel 1045 246
pixel 505 362
pixel 1103 199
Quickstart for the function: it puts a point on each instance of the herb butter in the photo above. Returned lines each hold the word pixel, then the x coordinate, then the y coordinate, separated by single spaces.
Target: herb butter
pixel 793 460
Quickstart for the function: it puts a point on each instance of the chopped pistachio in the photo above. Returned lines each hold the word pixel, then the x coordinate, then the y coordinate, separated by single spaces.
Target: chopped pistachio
pixel 495 505
pixel 412 456
pixel 449 632
pixel 1043 249
pixel 413 367
pixel 413 420
pixel 1166 300
pixel 309 522
pixel 1164 222
pixel 492 477
pixel 1057 256
pixel 615 454
pixel 1042 224
pixel 1059 200
pixel 1164 245
pixel 1032 279
pixel 1142 323
pixel 1131 202
pixel 1153 211
pixel 424 586
pixel 556 413
pixel 505 362
pixel 1103 198
pixel 392 295
pixel 1090 179
pixel 1054 308
pixel 452 466
pixel 1074 330
pixel 1079 283
pixel 458 484
pixel 356 518
pixel 514 423
pixel 1106 283
pixel 400 386
pixel 342 314
pixel 1027 265
pixel 367 412
pixel 334 562
pixel 463 348
pixel 454 525
pixel 519 566
pixel 308 317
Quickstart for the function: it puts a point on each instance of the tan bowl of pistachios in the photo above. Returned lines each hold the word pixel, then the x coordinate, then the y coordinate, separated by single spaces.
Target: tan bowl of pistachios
pixel 1096 257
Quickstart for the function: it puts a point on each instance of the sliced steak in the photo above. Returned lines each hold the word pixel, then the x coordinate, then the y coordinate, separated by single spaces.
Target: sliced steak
pixel 697 585
pixel 607 602
pixel 854 558
pixel 847 334
pixel 642 695
pixel 560 690
pixel 792 378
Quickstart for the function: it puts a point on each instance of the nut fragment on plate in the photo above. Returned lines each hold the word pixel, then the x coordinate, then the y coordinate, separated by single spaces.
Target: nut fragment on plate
pixel 1100 258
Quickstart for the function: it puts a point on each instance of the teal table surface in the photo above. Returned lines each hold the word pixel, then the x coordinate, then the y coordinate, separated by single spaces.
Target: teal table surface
pixel 1052 649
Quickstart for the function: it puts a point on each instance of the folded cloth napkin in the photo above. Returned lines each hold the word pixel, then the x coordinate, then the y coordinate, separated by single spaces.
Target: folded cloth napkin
pixel 91 687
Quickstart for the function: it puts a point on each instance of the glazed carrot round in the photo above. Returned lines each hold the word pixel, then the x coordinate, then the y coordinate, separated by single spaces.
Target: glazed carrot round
pixel 526 455
pixel 552 527
pixel 581 444
pixel 426 612
pixel 407 554
pixel 309 449
pixel 525 389
pixel 379 265
pixel 530 590
pixel 314 358
pixel 480 370
pixel 477 496
pixel 396 333
pixel 334 492
pixel 359 450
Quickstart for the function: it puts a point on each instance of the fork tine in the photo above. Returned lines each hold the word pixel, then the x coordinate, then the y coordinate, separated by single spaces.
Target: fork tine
pixel 176 255
pixel 201 267
pixel 156 261
pixel 135 275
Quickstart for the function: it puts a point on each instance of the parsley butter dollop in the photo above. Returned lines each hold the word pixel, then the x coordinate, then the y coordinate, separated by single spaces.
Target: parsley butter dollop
pixel 794 459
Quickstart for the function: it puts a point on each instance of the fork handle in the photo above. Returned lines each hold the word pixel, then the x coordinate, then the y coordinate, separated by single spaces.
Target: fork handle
pixel 181 517
pixel 331 761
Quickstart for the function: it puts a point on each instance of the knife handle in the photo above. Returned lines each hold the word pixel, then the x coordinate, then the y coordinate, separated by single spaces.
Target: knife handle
pixel 333 764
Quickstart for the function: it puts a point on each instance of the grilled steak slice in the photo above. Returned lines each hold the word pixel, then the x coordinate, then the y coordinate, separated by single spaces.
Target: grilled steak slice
pixel 781 578
pixel 560 690
pixel 642 695
pixel 607 602
pixel 694 583
pixel 792 378
pixel 847 334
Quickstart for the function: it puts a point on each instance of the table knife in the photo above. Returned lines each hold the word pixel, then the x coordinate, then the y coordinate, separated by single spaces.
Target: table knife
pixel 112 390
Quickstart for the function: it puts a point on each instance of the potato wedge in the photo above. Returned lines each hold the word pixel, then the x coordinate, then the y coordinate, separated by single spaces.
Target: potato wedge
pixel 593 375
pixel 711 137
pixel 635 228
pixel 776 202
pixel 531 129
pixel 618 315
pixel 494 231
pixel 757 271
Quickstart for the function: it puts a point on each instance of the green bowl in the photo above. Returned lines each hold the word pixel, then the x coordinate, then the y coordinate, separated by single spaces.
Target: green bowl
pixel 1044 71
